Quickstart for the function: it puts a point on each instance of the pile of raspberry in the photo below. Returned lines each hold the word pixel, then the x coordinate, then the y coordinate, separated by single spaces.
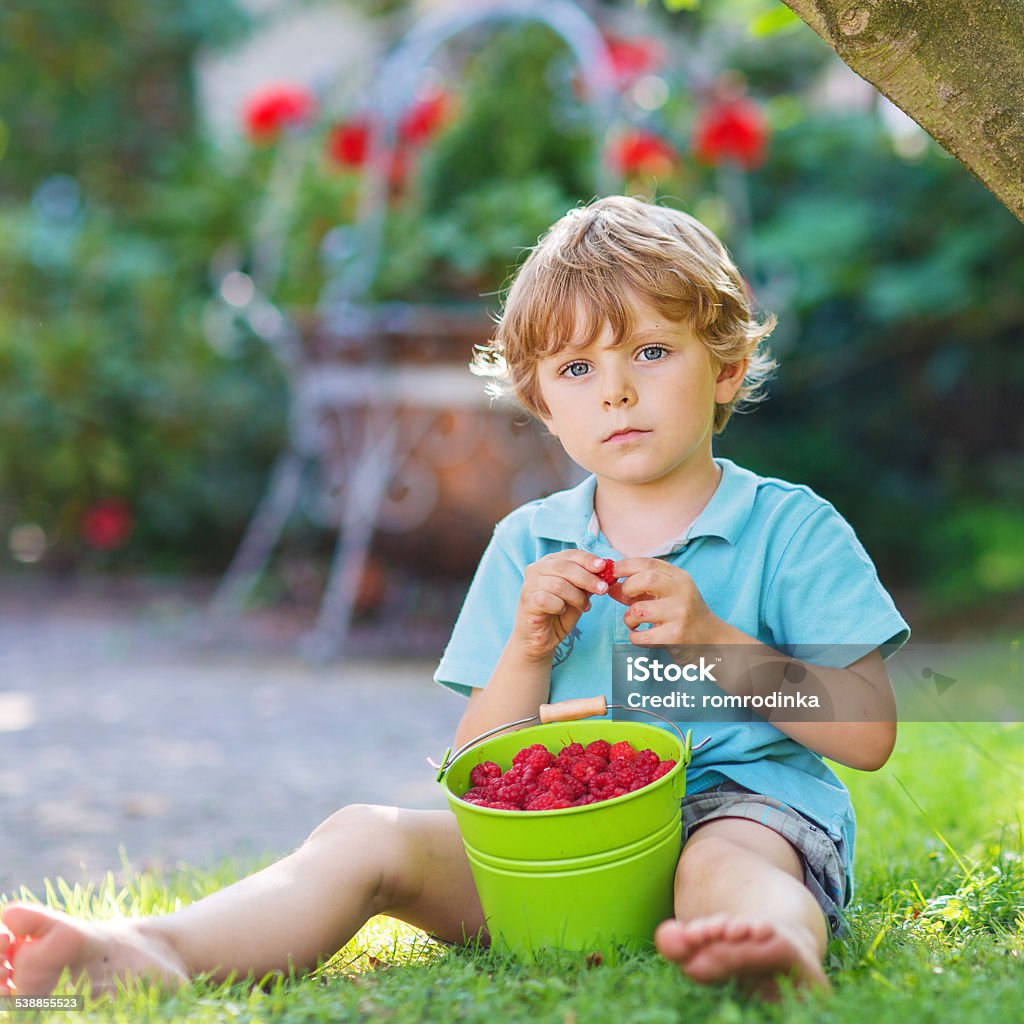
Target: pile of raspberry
pixel 541 781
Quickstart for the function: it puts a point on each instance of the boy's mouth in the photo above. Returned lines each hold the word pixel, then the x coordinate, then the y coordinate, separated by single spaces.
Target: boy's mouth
pixel 625 434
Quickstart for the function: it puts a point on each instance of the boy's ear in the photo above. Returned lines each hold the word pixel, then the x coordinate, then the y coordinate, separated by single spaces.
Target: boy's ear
pixel 730 377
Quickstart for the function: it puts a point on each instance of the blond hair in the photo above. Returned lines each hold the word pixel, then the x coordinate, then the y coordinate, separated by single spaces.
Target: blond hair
pixel 589 269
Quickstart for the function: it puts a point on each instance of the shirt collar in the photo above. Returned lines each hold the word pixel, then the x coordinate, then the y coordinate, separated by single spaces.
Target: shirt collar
pixel 566 516
pixel 726 514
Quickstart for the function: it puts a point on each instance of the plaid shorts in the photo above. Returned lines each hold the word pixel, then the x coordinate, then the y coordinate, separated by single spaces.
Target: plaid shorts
pixel 824 871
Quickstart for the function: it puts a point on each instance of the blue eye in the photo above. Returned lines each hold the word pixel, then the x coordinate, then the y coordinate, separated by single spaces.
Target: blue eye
pixel 574 369
pixel 651 353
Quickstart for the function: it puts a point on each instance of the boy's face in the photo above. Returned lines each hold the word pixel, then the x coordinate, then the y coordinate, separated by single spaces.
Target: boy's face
pixel 640 412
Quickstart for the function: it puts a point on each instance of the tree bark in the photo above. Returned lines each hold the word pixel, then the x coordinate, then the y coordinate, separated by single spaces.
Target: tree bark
pixel 955 66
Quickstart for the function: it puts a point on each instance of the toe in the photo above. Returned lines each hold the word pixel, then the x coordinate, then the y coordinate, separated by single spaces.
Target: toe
pixel 25 921
pixel 672 939
pixel 713 928
pixel 737 930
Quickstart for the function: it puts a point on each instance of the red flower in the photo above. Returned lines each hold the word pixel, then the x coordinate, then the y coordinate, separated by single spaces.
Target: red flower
pixel 349 145
pixel 423 118
pixel 641 152
pixel 107 525
pixel 632 58
pixel 349 142
pixel 276 107
pixel 731 129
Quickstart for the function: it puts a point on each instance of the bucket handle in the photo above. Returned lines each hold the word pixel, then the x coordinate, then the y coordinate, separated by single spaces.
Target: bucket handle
pixel 566 711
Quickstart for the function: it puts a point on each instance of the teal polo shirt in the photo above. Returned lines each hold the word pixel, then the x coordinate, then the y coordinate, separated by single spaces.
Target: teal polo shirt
pixel 771 558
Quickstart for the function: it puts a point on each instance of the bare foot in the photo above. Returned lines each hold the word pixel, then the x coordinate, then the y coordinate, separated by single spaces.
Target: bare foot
pixel 756 953
pixel 37 944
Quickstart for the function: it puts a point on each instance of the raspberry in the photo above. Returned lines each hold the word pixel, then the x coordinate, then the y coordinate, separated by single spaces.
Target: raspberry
pixel 662 769
pixel 583 771
pixel 607 572
pixel 575 787
pixel 475 795
pixel 622 749
pixel 599 748
pixel 623 773
pixel 549 777
pixel 484 772
pixel 501 805
pixel 647 759
pixel 547 802
pixel 638 783
pixel 527 751
pixel 568 754
pixel 539 760
pixel 513 793
pixel 560 791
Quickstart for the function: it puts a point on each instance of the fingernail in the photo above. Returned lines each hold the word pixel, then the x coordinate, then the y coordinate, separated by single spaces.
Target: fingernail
pixel 598 563
pixel 601 586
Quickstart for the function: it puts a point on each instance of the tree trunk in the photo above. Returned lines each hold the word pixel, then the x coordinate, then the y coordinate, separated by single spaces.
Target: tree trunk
pixel 955 66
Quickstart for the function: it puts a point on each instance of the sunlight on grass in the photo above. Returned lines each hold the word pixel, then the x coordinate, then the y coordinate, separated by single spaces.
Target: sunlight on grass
pixel 131 893
pixel 382 943
pixel 940 853
pixel 945 783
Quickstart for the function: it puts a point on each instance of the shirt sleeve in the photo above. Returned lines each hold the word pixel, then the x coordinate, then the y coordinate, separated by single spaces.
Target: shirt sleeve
pixel 824 603
pixel 485 621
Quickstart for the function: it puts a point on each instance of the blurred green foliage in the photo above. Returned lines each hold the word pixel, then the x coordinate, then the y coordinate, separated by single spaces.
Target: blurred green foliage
pixel 108 387
pixel 498 176
pixel 111 206
pixel 542 133
pixel 101 90
pixel 899 279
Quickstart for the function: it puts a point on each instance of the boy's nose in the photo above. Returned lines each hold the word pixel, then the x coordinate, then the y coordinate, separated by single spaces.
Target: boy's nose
pixel 619 393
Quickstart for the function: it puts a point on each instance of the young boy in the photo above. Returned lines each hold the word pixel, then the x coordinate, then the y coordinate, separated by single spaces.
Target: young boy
pixel 628 333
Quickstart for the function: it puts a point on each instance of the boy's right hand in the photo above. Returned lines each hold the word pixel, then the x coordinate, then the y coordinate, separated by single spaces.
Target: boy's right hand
pixel 556 592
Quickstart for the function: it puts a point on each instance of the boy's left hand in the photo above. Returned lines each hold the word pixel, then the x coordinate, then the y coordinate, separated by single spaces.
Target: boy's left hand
pixel 665 596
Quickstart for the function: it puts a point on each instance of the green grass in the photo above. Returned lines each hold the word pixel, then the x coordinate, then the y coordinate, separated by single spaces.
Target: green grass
pixel 938 926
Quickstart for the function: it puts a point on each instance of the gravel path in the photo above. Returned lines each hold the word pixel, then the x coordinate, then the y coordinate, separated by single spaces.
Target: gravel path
pixel 117 731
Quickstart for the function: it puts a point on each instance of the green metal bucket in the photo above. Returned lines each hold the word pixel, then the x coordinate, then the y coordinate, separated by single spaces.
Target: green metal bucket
pixel 580 878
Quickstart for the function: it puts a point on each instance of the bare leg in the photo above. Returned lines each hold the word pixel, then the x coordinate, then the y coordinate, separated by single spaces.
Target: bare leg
pixel 297 912
pixel 743 912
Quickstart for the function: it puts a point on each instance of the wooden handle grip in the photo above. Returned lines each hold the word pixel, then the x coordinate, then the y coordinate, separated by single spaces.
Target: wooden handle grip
pixel 570 710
